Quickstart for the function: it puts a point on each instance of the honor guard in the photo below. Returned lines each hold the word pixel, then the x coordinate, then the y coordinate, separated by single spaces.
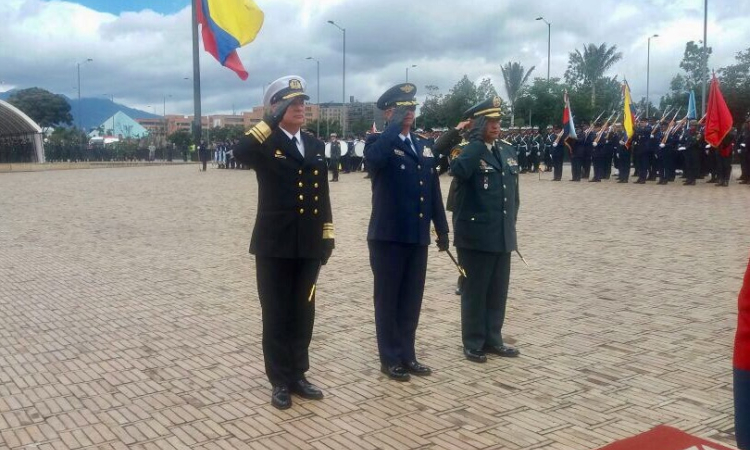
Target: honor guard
pixel 485 231
pixel 293 234
pixel 406 199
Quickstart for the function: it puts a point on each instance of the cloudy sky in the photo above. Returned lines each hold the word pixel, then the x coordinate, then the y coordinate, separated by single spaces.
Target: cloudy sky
pixel 142 49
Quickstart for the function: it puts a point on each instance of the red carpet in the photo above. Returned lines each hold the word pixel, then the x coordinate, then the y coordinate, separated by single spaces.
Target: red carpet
pixel 664 438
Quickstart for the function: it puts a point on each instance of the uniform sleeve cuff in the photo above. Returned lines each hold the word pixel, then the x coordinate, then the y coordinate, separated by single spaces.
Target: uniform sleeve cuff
pixel 328 231
pixel 260 132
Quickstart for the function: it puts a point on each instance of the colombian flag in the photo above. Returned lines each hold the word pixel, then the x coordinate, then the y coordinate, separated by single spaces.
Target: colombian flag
pixel 228 25
pixel 742 367
pixel 628 121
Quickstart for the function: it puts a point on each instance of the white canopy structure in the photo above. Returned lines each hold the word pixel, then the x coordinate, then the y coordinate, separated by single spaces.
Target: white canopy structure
pixel 15 124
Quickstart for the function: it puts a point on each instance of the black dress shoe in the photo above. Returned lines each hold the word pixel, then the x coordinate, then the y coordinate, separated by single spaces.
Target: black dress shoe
pixel 476 356
pixel 662 182
pixel 280 397
pixel 595 180
pixel 395 372
pixel 640 182
pixel 305 389
pixel 502 350
pixel 418 369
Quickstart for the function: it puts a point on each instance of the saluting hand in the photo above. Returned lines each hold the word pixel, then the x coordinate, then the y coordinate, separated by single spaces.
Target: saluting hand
pixel 462 125
pixel 397 119
pixel 274 117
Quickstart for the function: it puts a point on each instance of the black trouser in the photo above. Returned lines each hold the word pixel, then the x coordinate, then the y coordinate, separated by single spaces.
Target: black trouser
pixel 483 297
pixel 724 167
pixel 623 164
pixel 692 163
pixel 557 162
pixel 643 165
pixel 399 274
pixel 745 164
pixel 335 169
pixel 203 162
pixel 284 287
pixel 576 165
pixel 599 163
pixel 586 164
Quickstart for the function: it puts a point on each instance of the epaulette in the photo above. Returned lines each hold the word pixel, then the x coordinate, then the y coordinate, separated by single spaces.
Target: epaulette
pixel 505 142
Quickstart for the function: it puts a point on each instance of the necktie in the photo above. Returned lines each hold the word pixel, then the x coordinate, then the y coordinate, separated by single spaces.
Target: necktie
pixel 407 141
pixel 295 141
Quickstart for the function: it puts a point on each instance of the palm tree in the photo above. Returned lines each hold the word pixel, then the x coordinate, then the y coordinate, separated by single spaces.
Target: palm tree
pixel 589 67
pixel 513 74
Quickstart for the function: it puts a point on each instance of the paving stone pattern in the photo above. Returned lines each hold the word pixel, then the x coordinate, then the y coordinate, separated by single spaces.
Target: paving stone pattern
pixel 129 318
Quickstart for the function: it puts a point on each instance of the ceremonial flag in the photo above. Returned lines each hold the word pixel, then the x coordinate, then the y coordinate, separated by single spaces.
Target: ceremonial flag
pixel 628 121
pixel 691 112
pixel 742 367
pixel 718 117
pixel 569 129
pixel 228 25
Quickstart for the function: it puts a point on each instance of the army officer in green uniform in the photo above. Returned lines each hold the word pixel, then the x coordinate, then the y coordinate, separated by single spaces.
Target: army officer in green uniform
pixel 484 223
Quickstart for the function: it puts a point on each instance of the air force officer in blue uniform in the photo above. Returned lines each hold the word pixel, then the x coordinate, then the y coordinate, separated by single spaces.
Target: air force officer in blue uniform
pixel 406 199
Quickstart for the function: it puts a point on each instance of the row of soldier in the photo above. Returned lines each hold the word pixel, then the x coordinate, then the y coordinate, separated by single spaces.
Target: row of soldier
pixel 658 150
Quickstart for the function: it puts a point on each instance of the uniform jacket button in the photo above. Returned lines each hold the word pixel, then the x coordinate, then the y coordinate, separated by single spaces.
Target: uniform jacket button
pixel 316 185
pixel 302 210
pixel 300 184
pixel 419 167
pixel 315 211
pixel 299 171
pixel 315 172
pixel 316 198
pixel 301 197
pixel 421 183
pixel 421 215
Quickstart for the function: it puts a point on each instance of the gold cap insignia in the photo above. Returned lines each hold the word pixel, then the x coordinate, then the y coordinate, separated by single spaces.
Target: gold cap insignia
pixel 295 84
pixel 496 102
pixel 407 88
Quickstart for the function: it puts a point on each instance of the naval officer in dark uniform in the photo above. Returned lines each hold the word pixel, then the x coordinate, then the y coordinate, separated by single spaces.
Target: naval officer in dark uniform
pixel 406 199
pixel 484 223
pixel 293 234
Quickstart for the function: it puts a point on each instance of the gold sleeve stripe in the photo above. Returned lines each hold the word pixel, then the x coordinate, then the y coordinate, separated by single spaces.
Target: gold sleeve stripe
pixel 255 134
pixel 328 234
pixel 263 129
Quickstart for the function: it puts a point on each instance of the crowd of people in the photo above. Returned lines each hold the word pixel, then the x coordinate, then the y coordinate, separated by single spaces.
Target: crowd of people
pixel 17 149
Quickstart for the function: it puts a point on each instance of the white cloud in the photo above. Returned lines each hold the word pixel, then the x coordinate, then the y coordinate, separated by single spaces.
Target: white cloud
pixel 140 57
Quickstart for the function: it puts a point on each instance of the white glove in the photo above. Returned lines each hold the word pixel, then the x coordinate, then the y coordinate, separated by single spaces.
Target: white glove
pixel 622 143
pixel 662 145
pixel 743 145
pixel 595 144
pixel 681 148
pixel 708 145
pixel 230 153
pixel 652 136
pixel 554 144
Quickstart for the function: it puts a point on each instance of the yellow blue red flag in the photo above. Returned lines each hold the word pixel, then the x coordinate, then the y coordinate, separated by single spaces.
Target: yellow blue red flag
pixel 628 121
pixel 227 25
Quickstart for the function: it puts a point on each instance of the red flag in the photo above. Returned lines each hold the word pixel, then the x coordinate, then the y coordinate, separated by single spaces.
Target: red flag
pixel 742 366
pixel 718 117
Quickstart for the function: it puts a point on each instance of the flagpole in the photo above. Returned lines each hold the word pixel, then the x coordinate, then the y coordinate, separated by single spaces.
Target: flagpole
pixel 197 122
pixel 705 57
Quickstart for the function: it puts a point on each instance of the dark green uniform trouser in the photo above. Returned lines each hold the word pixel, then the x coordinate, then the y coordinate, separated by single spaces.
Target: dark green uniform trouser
pixel 483 298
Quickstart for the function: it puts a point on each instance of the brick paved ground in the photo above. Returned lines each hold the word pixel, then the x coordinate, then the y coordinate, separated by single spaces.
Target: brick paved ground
pixel 129 318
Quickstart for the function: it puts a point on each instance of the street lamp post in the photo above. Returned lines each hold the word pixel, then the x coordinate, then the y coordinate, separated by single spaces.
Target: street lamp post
pixel 79 98
pixel 407 72
pixel 317 98
pixel 343 83
pixel 549 42
pixel 648 73
pixel 705 57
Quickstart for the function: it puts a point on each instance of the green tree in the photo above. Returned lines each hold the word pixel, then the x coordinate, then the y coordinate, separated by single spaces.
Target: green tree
pixel 462 96
pixel 515 78
pixel 735 85
pixel 431 114
pixel 586 70
pixel 181 139
pixel 42 106
pixel 689 80
pixel 543 100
